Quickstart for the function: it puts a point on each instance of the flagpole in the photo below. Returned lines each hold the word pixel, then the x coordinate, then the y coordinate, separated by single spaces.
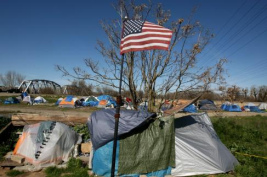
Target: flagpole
pixel 117 116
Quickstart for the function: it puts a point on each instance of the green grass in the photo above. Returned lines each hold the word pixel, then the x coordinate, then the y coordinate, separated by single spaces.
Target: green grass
pixel 245 135
pixel 8 138
pixel 14 173
pixel 75 168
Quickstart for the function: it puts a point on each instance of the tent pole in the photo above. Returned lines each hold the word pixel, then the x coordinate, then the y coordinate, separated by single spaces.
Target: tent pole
pixel 117 116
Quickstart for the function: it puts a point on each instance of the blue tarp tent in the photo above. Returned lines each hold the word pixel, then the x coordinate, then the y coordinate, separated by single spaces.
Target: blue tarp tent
pixel 231 107
pixel 91 101
pixel 252 108
pixel 106 101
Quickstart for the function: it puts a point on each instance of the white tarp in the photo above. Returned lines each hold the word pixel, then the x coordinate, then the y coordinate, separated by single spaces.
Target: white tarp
pixel 198 149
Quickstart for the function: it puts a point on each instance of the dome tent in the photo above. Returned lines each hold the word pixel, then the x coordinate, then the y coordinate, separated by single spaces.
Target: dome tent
pixel 46 143
pixel 206 105
pixel 263 106
pixel 227 106
pixel 190 142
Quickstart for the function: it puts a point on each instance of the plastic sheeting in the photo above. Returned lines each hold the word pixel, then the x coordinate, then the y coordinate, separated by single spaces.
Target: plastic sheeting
pixel 53 146
pixel 191 108
pixel 101 124
pixel 102 158
pixel 198 149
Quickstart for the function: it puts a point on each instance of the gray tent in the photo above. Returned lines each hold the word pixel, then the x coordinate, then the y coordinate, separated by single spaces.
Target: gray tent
pixel 181 147
pixel 198 149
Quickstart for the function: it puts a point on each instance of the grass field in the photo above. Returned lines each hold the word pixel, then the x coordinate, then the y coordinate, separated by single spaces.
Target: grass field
pixel 246 138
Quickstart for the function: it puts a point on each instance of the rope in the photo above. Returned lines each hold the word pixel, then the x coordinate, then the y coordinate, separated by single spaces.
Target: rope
pixel 251 155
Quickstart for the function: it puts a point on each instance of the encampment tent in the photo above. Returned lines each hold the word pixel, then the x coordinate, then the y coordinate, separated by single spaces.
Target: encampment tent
pixel 206 105
pixel 263 106
pixel 68 102
pixel 158 147
pixel 39 99
pixel 58 101
pixel 231 107
pixel 46 143
pixel 11 100
pixel 91 101
pixel 106 101
pixel 251 107
pixel 28 99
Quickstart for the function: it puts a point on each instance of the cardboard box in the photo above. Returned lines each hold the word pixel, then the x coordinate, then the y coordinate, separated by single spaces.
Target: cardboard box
pixel 86 147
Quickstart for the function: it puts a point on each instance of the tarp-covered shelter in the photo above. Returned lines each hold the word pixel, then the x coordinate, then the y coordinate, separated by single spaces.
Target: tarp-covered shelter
pixel 231 107
pixel 68 102
pixel 158 147
pixel 11 100
pixel 46 143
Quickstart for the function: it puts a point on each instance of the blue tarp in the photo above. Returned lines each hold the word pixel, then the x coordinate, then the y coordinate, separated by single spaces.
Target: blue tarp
pixel 104 120
pixel 191 108
pixel 69 98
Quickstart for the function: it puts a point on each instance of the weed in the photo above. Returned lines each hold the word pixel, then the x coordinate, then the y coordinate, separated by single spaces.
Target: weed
pixel 246 135
pixel 14 173
pixel 74 169
pixel 82 129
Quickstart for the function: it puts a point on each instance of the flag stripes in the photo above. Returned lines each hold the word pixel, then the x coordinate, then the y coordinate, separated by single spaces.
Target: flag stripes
pixel 140 35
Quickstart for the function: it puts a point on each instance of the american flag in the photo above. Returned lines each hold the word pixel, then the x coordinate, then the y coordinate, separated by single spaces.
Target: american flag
pixel 142 35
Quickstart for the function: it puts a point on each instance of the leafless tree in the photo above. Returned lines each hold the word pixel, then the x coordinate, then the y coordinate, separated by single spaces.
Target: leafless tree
pixel 254 92
pixel 245 93
pixel 153 72
pixel 11 79
pixel 262 96
pixel 233 93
